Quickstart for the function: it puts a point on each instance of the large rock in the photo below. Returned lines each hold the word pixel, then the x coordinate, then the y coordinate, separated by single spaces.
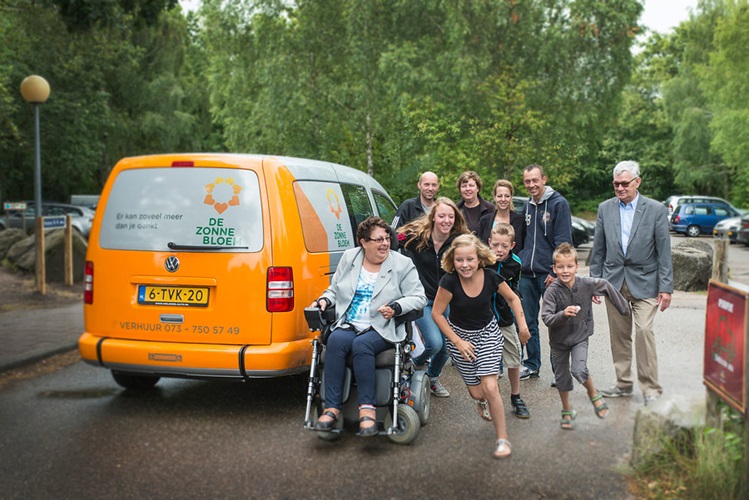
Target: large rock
pixel 697 244
pixel 8 238
pixel 22 255
pixel 692 268
pixel 664 421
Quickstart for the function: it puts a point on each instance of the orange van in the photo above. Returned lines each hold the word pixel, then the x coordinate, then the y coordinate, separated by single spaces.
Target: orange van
pixel 200 265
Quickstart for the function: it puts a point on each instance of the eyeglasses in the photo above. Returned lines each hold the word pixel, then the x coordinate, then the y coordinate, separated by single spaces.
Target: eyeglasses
pixel 624 184
pixel 380 240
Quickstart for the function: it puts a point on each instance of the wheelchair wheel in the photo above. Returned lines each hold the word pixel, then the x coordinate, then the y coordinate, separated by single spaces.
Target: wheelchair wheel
pixel 327 436
pixel 422 408
pixel 408 425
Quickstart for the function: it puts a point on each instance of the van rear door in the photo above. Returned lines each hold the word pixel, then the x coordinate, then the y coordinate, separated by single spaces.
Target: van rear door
pixel 186 256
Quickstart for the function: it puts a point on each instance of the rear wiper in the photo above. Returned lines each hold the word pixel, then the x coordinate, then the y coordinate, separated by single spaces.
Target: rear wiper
pixel 177 246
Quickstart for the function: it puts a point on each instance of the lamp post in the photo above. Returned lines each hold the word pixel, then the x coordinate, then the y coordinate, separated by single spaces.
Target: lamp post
pixel 35 90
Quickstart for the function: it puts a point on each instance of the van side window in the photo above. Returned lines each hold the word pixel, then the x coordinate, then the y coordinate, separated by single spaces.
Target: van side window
pixel 325 216
pixel 385 206
pixel 357 202
pixel 689 210
pixel 722 212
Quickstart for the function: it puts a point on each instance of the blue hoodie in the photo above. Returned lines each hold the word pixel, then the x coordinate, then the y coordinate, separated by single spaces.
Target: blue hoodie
pixel 548 223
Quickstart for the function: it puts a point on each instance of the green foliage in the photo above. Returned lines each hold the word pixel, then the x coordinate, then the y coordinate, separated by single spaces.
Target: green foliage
pixel 705 463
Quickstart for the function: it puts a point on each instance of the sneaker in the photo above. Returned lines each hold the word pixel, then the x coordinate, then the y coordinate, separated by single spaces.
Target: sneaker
pixel 525 373
pixel 553 381
pixel 519 408
pixel 439 390
pixel 616 392
pixel 501 372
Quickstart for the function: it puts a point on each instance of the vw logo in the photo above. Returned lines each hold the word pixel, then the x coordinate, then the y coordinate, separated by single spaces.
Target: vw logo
pixel 171 264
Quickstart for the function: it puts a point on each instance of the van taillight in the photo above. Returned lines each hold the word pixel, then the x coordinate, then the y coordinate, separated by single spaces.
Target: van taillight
pixel 676 219
pixel 183 163
pixel 88 283
pixel 280 289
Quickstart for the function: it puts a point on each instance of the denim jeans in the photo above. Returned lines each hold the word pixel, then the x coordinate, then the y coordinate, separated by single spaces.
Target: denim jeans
pixel 532 289
pixel 364 348
pixel 434 343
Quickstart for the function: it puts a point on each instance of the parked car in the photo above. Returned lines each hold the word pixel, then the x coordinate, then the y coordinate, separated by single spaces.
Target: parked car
pixel 693 219
pixel 743 233
pixel 673 202
pixel 727 228
pixel 81 216
pixel 582 230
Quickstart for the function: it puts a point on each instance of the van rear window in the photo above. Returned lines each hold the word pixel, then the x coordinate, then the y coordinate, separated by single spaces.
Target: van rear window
pixel 163 209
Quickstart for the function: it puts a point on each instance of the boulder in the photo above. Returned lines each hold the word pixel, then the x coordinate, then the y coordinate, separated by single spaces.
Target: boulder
pixel 8 238
pixel 697 244
pixel 22 255
pixel 664 421
pixel 692 268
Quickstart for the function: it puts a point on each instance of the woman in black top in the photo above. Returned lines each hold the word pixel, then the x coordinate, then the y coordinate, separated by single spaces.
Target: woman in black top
pixel 504 211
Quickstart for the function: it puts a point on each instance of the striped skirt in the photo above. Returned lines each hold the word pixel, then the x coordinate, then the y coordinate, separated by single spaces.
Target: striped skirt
pixel 487 342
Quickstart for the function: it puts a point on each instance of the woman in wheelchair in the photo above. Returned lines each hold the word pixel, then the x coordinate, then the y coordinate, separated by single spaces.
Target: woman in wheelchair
pixel 371 286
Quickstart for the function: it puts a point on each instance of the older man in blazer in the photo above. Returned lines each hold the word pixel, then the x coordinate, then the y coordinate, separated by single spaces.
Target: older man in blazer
pixel 632 249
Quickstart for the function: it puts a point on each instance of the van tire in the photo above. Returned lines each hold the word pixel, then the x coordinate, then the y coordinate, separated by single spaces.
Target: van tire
pixel 693 231
pixel 134 382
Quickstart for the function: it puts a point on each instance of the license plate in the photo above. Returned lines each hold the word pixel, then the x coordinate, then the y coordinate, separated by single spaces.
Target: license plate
pixel 172 296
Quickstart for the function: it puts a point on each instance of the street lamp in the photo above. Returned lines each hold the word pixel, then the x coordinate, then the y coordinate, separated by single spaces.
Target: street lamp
pixel 35 90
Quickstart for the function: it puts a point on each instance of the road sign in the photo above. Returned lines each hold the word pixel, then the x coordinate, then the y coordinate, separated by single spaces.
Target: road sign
pixel 50 222
pixel 14 205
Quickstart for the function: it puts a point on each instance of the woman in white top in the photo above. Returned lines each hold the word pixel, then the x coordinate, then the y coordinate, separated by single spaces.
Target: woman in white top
pixel 371 286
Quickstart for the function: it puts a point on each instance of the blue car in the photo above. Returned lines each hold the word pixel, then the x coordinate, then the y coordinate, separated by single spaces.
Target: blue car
pixel 694 219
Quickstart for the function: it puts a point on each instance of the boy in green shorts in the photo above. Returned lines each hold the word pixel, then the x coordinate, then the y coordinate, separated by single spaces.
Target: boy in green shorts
pixel 502 241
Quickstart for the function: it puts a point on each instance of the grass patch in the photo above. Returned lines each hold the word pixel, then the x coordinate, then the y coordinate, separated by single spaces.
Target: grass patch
pixel 703 463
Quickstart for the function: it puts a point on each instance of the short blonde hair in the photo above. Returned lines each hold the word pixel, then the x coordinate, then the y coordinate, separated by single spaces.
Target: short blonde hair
pixel 467 176
pixel 503 229
pixel 484 253
pixel 564 249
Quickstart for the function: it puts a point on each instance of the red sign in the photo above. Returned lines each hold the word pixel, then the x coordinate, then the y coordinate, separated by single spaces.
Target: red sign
pixel 725 343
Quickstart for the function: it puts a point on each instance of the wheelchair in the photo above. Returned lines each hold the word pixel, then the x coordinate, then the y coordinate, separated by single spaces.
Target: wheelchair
pixel 402 393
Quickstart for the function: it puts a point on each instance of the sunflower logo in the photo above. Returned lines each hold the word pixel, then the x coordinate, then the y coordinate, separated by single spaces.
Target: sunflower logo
pixel 227 189
pixel 337 208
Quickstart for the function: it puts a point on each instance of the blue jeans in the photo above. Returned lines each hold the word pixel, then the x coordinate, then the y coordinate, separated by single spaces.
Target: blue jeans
pixel 434 343
pixel 363 348
pixel 532 289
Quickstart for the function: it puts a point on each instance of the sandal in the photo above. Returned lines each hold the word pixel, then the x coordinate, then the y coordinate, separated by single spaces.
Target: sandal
pixel 601 410
pixel 328 425
pixel 504 449
pixel 568 420
pixel 482 405
pixel 367 431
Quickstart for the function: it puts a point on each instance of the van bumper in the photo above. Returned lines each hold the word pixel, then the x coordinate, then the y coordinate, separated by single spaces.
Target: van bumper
pixel 168 359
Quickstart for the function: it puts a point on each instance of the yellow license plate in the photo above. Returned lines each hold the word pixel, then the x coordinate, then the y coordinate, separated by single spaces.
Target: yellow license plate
pixel 172 295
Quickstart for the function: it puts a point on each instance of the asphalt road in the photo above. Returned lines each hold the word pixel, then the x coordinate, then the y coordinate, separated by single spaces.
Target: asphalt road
pixel 75 434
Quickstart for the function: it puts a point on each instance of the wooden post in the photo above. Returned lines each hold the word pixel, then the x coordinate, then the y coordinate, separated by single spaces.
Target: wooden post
pixel 720 259
pixel 41 275
pixel 68 250
pixel 720 273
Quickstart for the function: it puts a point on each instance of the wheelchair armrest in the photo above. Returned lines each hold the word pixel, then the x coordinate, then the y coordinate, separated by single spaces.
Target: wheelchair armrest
pixel 409 316
pixel 317 319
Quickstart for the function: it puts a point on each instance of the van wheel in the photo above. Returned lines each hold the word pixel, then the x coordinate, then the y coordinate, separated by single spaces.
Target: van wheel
pixel 693 231
pixel 135 382
pixel 408 425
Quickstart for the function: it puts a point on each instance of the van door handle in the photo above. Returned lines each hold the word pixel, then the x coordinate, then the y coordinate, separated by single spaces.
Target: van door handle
pixel 172 318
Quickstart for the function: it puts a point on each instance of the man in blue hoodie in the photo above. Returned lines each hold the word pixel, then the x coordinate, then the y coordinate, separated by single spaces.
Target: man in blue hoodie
pixel 548 223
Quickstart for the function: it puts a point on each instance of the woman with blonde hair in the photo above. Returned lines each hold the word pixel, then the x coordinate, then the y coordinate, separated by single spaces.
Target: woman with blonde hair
pixel 504 211
pixel 425 241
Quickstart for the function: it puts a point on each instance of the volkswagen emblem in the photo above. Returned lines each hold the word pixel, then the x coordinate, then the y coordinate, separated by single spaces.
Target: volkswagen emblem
pixel 171 264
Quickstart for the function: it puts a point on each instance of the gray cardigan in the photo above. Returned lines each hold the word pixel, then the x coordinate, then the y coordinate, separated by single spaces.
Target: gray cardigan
pixel 567 331
pixel 397 281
